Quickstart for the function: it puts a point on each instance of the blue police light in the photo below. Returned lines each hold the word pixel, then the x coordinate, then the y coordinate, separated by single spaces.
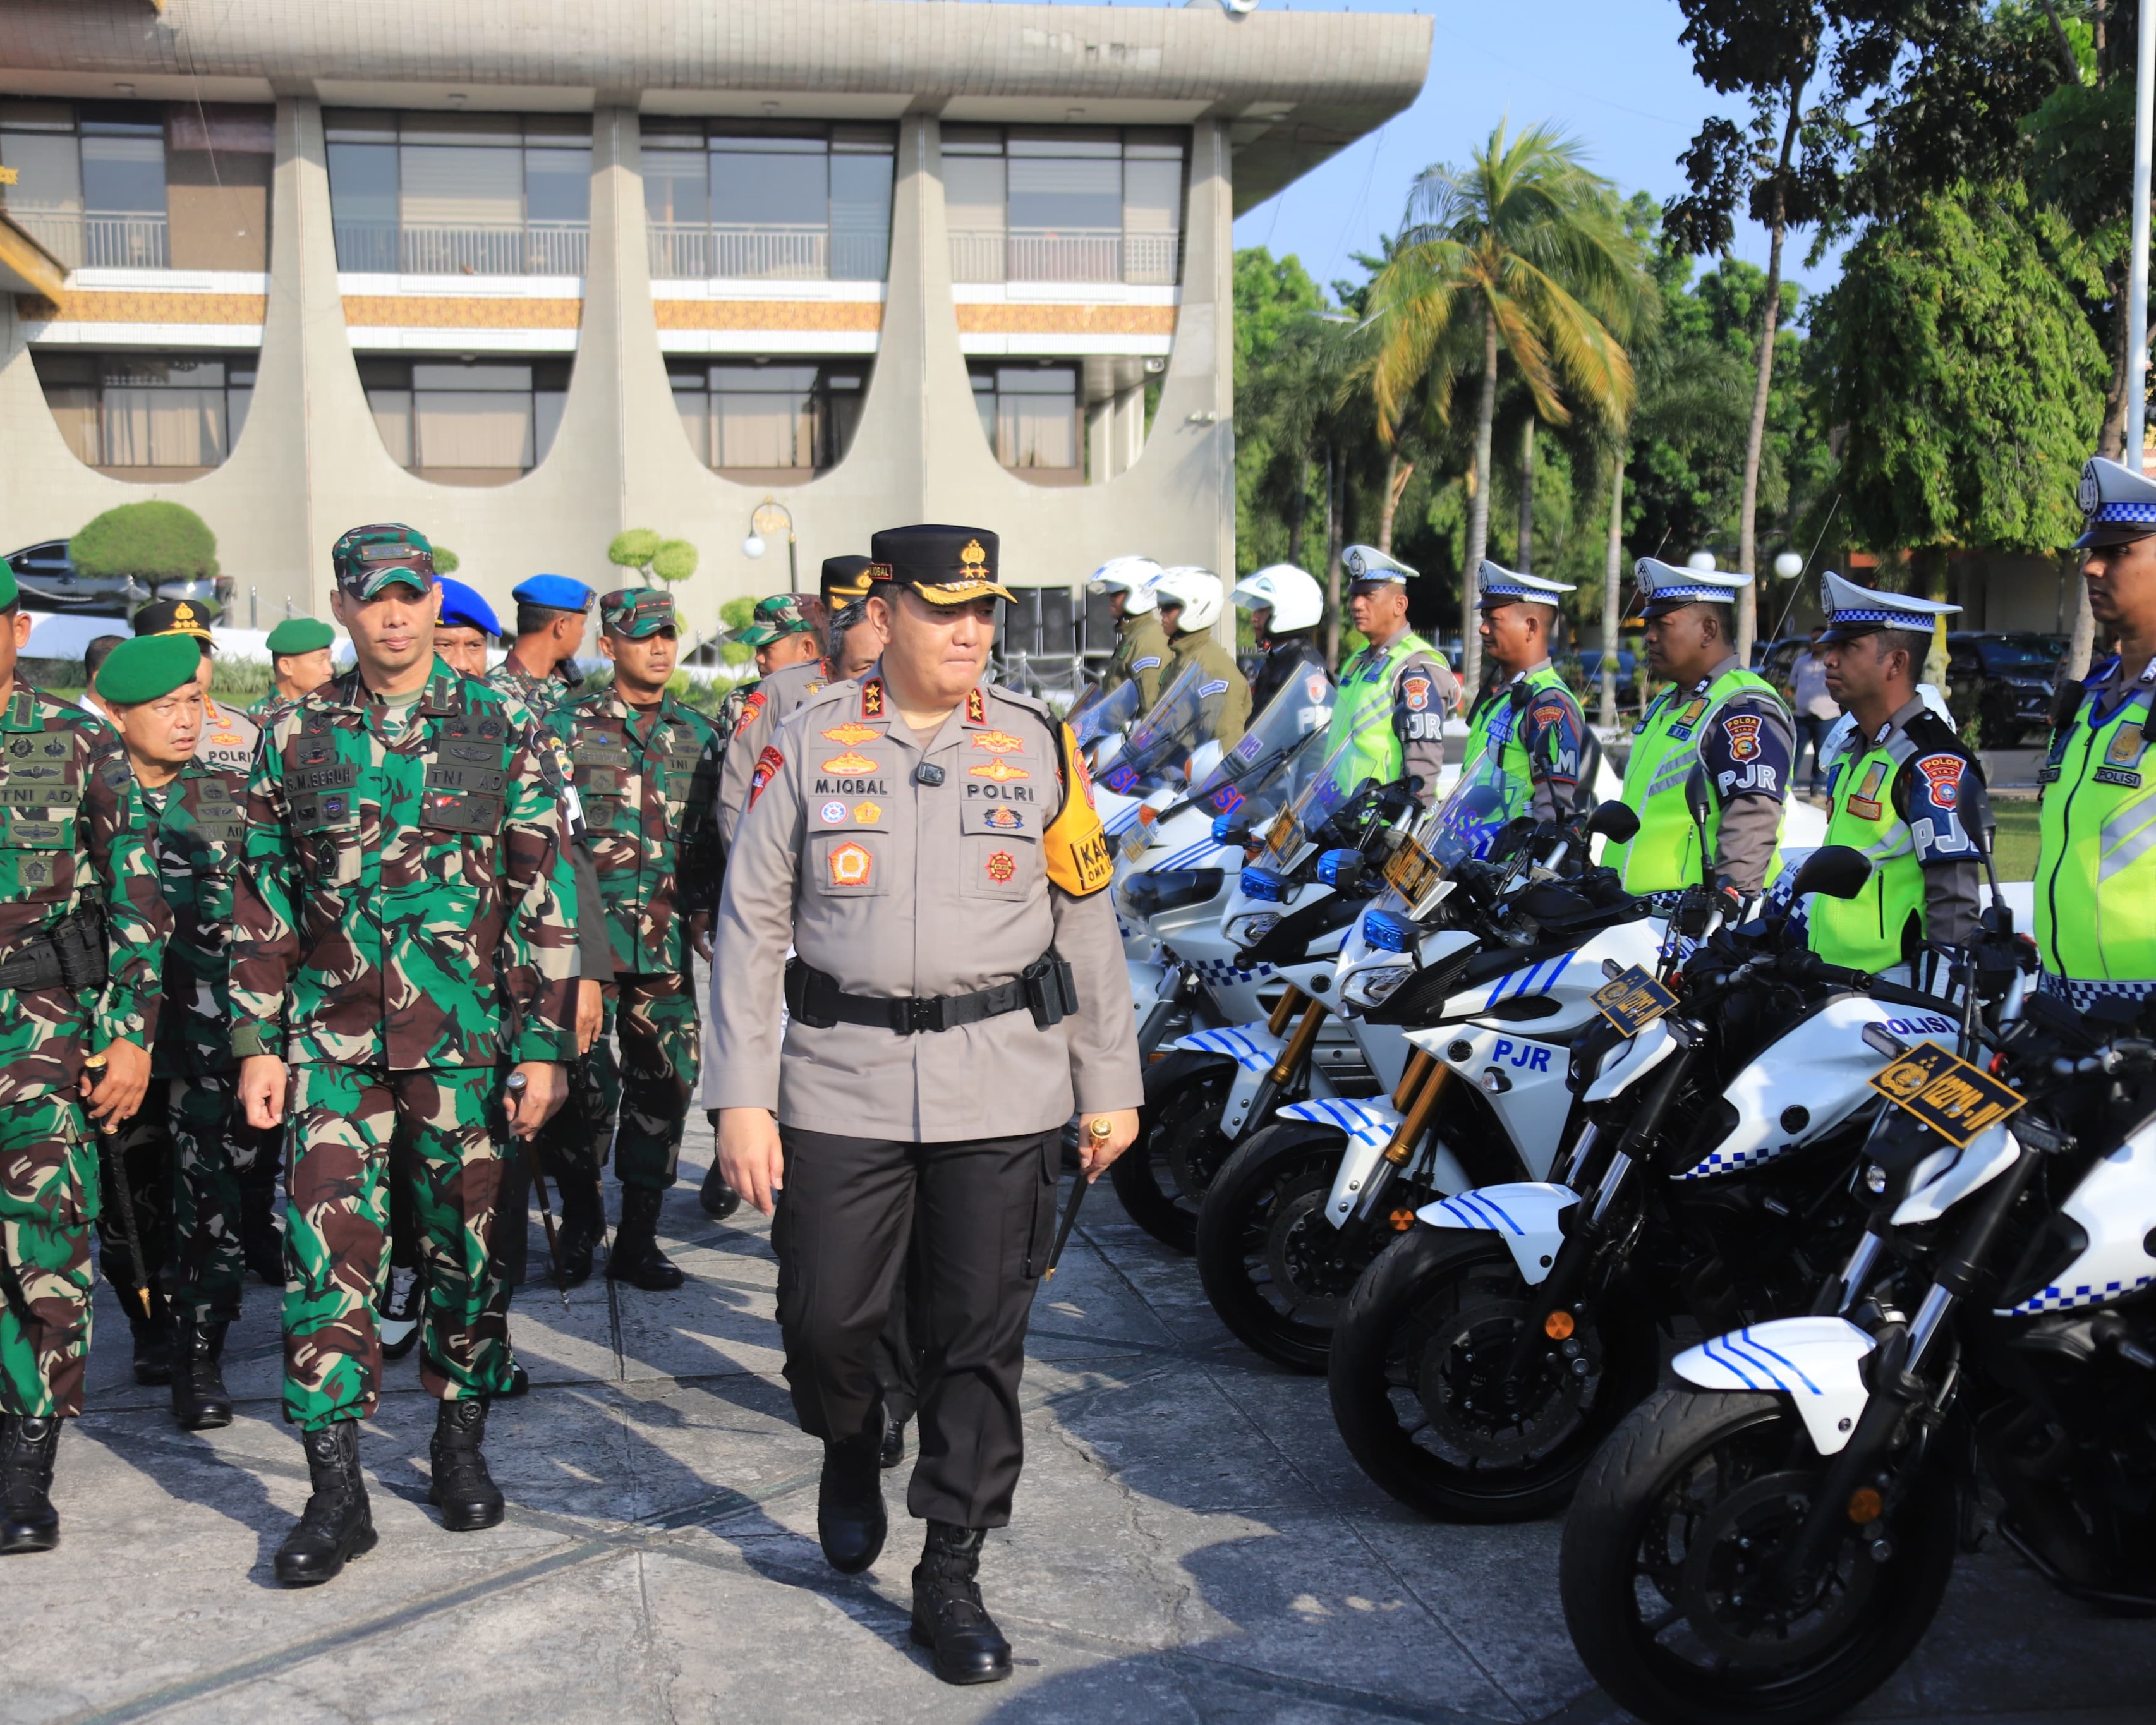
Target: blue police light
pixel 1265 884
pixel 1224 827
pixel 1332 865
pixel 1387 931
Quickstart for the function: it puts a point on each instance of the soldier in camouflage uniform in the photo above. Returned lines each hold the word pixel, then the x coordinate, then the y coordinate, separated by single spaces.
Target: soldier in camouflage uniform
pixel 540 670
pixel 404 919
pixel 186 1140
pixel 646 772
pixel 780 632
pixel 78 1013
pixel 299 649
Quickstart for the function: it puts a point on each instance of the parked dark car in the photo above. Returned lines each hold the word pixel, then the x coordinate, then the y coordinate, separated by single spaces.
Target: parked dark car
pixel 2004 679
pixel 1590 674
pixel 1776 661
pixel 50 582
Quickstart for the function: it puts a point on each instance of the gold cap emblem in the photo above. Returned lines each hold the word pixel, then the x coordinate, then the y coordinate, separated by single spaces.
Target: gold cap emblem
pixel 973 561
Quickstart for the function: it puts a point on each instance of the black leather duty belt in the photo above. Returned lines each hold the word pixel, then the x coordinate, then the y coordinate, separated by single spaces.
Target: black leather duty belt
pixel 1047 988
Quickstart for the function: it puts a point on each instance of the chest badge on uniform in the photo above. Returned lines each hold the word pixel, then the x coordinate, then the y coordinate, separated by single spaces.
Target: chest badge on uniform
pixel 1690 715
pixel 1005 820
pixel 832 815
pixel 868 814
pixel 998 742
pixel 1001 770
pixel 1416 689
pixel 849 764
pixel 1866 800
pixel 850 865
pixel 851 733
pixel 1001 866
pixel 1743 731
pixel 2125 746
pixel 22 746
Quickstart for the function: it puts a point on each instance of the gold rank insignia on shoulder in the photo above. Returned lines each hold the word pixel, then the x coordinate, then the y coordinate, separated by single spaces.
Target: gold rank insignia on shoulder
pixel 872 698
pixel 977 704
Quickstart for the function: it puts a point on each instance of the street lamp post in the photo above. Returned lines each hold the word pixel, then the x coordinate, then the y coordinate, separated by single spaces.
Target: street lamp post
pixel 771 519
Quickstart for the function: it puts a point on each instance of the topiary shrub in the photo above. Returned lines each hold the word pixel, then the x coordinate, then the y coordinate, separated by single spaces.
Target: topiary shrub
pixel 675 560
pixel 634 548
pixel 159 541
pixel 445 561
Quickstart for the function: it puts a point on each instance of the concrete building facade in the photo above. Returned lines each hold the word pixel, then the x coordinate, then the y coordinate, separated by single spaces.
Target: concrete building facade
pixel 525 274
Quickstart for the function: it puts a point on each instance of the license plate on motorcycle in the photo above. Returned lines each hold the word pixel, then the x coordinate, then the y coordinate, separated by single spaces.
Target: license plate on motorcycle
pixel 1632 1001
pixel 1411 871
pixel 1956 1100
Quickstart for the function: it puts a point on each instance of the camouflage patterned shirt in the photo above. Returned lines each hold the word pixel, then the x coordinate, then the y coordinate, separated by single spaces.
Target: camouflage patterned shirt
pixel 72 834
pixel 540 695
pixel 404 889
pixel 648 781
pixel 197 826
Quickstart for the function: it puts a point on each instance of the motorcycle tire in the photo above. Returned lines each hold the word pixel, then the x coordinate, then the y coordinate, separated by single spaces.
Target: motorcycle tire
pixel 1413 1355
pixel 1179 1146
pixel 1663 1624
pixel 1275 1270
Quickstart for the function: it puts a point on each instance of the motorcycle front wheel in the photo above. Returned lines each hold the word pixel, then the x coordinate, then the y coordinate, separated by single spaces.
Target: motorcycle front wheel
pixel 1671 1575
pixel 1162 1177
pixel 1275 1270
pixel 1427 1399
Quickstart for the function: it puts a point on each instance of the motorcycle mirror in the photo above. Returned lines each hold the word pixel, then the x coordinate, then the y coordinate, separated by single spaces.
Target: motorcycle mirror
pixel 1833 870
pixel 1619 822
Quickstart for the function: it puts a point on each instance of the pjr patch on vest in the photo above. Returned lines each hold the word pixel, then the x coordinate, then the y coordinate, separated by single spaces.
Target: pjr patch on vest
pixel 1942 778
pixel 768 766
pixel 851 865
pixel 1743 731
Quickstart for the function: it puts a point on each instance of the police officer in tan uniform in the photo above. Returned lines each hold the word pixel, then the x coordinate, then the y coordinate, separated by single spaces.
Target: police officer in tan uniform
pixel 928 845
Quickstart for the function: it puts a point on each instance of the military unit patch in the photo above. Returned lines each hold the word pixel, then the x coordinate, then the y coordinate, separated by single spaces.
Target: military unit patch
pixel 1416 690
pixel 1743 731
pixel 848 765
pixel 1008 820
pixel 769 765
pixel 1002 865
pixel 832 815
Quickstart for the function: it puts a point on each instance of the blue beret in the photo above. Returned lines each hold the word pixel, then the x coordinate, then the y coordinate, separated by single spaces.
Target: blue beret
pixel 557 593
pixel 461 606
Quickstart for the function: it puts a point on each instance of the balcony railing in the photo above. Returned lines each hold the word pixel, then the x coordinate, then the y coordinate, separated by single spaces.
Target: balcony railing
pixel 685 251
pixel 1037 254
pixel 508 248
pixel 98 242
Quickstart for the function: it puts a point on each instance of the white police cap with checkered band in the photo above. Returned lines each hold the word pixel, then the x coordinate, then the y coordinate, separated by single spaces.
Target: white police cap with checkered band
pixel 1852 610
pixel 2118 505
pixel 1663 588
pixel 1500 586
pixel 1366 563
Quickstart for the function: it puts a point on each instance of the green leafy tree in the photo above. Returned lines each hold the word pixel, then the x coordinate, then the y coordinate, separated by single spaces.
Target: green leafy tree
pixel 675 560
pixel 157 541
pixel 446 562
pixel 736 614
pixel 634 549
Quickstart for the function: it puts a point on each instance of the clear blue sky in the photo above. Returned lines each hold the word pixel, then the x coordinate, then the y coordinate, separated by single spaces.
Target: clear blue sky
pixel 1611 72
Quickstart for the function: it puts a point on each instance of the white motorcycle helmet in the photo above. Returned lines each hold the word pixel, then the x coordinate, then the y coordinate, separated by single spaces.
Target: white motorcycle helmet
pixel 1132 577
pixel 1198 591
pixel 1296 599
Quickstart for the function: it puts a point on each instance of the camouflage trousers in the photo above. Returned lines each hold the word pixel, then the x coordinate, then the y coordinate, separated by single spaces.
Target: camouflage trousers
pixel 48 1198
pixel 345 1120
pixel 186 1163
pixel 655 1015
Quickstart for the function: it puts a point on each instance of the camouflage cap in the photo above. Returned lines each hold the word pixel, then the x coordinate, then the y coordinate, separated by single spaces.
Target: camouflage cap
pixel 635 612
pixel 368 559
pixel 779 615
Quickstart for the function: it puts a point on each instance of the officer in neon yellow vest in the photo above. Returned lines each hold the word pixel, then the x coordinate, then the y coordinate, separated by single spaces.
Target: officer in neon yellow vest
pixel 1716 722
pixel 1395 693
pixel 1531 717
pixel 2095 867
pixel 1896 793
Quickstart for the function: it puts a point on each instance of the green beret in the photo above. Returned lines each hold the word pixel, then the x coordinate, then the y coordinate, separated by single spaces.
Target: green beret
pixel 147 668
pixel 299 635
pixel 10 592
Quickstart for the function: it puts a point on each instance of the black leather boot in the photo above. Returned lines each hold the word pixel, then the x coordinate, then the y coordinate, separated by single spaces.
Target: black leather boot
pixel 583 1225
pixel 153 1335
pixel 948 1616
pixel 200 1400
pixel 850 1520
pixel 261 1244
pixel 636 1258
pixel 466 1493
pixel 28 1521
pixel 893 1444
pixel 338 1523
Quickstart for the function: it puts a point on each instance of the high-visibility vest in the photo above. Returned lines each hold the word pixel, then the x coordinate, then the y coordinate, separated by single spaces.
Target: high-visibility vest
pixel 2095 857
pixel 1363 712
pixel 1868 931
pixel 1664 855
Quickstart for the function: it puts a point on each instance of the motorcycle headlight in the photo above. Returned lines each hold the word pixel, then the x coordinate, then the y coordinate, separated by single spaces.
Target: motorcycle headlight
pixel 1371 985
pixel 1251 927
pixel 1268 886
pixel 1388 931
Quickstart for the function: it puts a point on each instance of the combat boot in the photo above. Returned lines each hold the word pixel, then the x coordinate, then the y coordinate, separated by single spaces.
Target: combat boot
pixel 200 1400
pixel 261 1243
pixel 463 1489
pixel 28 1521
pixel 338 1523
pixel 894 1444
pixel 583 1225
pixel 636 1258
pixel 948 1616
pixel 850 1520
pixel 153 1335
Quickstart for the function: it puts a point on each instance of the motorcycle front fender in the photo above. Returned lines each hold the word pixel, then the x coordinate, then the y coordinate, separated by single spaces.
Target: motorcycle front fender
pixel 1525 1214
pixel 1369 1127
pixel 1817 1362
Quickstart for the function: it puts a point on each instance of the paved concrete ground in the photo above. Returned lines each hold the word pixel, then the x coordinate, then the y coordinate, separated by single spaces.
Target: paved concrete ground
pixel 1191 1543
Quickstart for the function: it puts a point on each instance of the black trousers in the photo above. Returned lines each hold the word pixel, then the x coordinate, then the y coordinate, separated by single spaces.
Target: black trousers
pixel 980 1216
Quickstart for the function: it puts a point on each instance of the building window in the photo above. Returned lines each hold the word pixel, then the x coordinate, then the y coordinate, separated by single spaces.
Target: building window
pixel 1069 203
pixel 141 185
pixel 769 418
pixel 466 423
pixel 1029 416
pixel 148 416
pixel 734 201
pixel 460 194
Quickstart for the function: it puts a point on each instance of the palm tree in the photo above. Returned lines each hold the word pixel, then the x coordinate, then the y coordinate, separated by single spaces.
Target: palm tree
pixel 1523 253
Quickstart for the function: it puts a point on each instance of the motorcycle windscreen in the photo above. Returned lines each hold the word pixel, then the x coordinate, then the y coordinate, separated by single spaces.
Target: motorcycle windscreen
pixel 1159 748
pixel 1323 790
pixel 1257 778
pixel 1465 827
pixel 1094 715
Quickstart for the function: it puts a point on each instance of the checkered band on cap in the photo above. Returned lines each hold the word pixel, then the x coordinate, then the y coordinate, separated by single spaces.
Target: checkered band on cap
pixel 1921 621
pixel 1689 595
pixel 2106 514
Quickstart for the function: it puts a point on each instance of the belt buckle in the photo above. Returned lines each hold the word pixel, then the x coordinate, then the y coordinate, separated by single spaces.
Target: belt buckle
pixel 916 1013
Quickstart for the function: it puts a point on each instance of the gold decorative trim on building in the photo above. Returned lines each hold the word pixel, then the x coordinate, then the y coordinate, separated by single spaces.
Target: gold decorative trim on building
pixel 91 305
pixel 823 314
pixel 978 319
pixel 451 312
